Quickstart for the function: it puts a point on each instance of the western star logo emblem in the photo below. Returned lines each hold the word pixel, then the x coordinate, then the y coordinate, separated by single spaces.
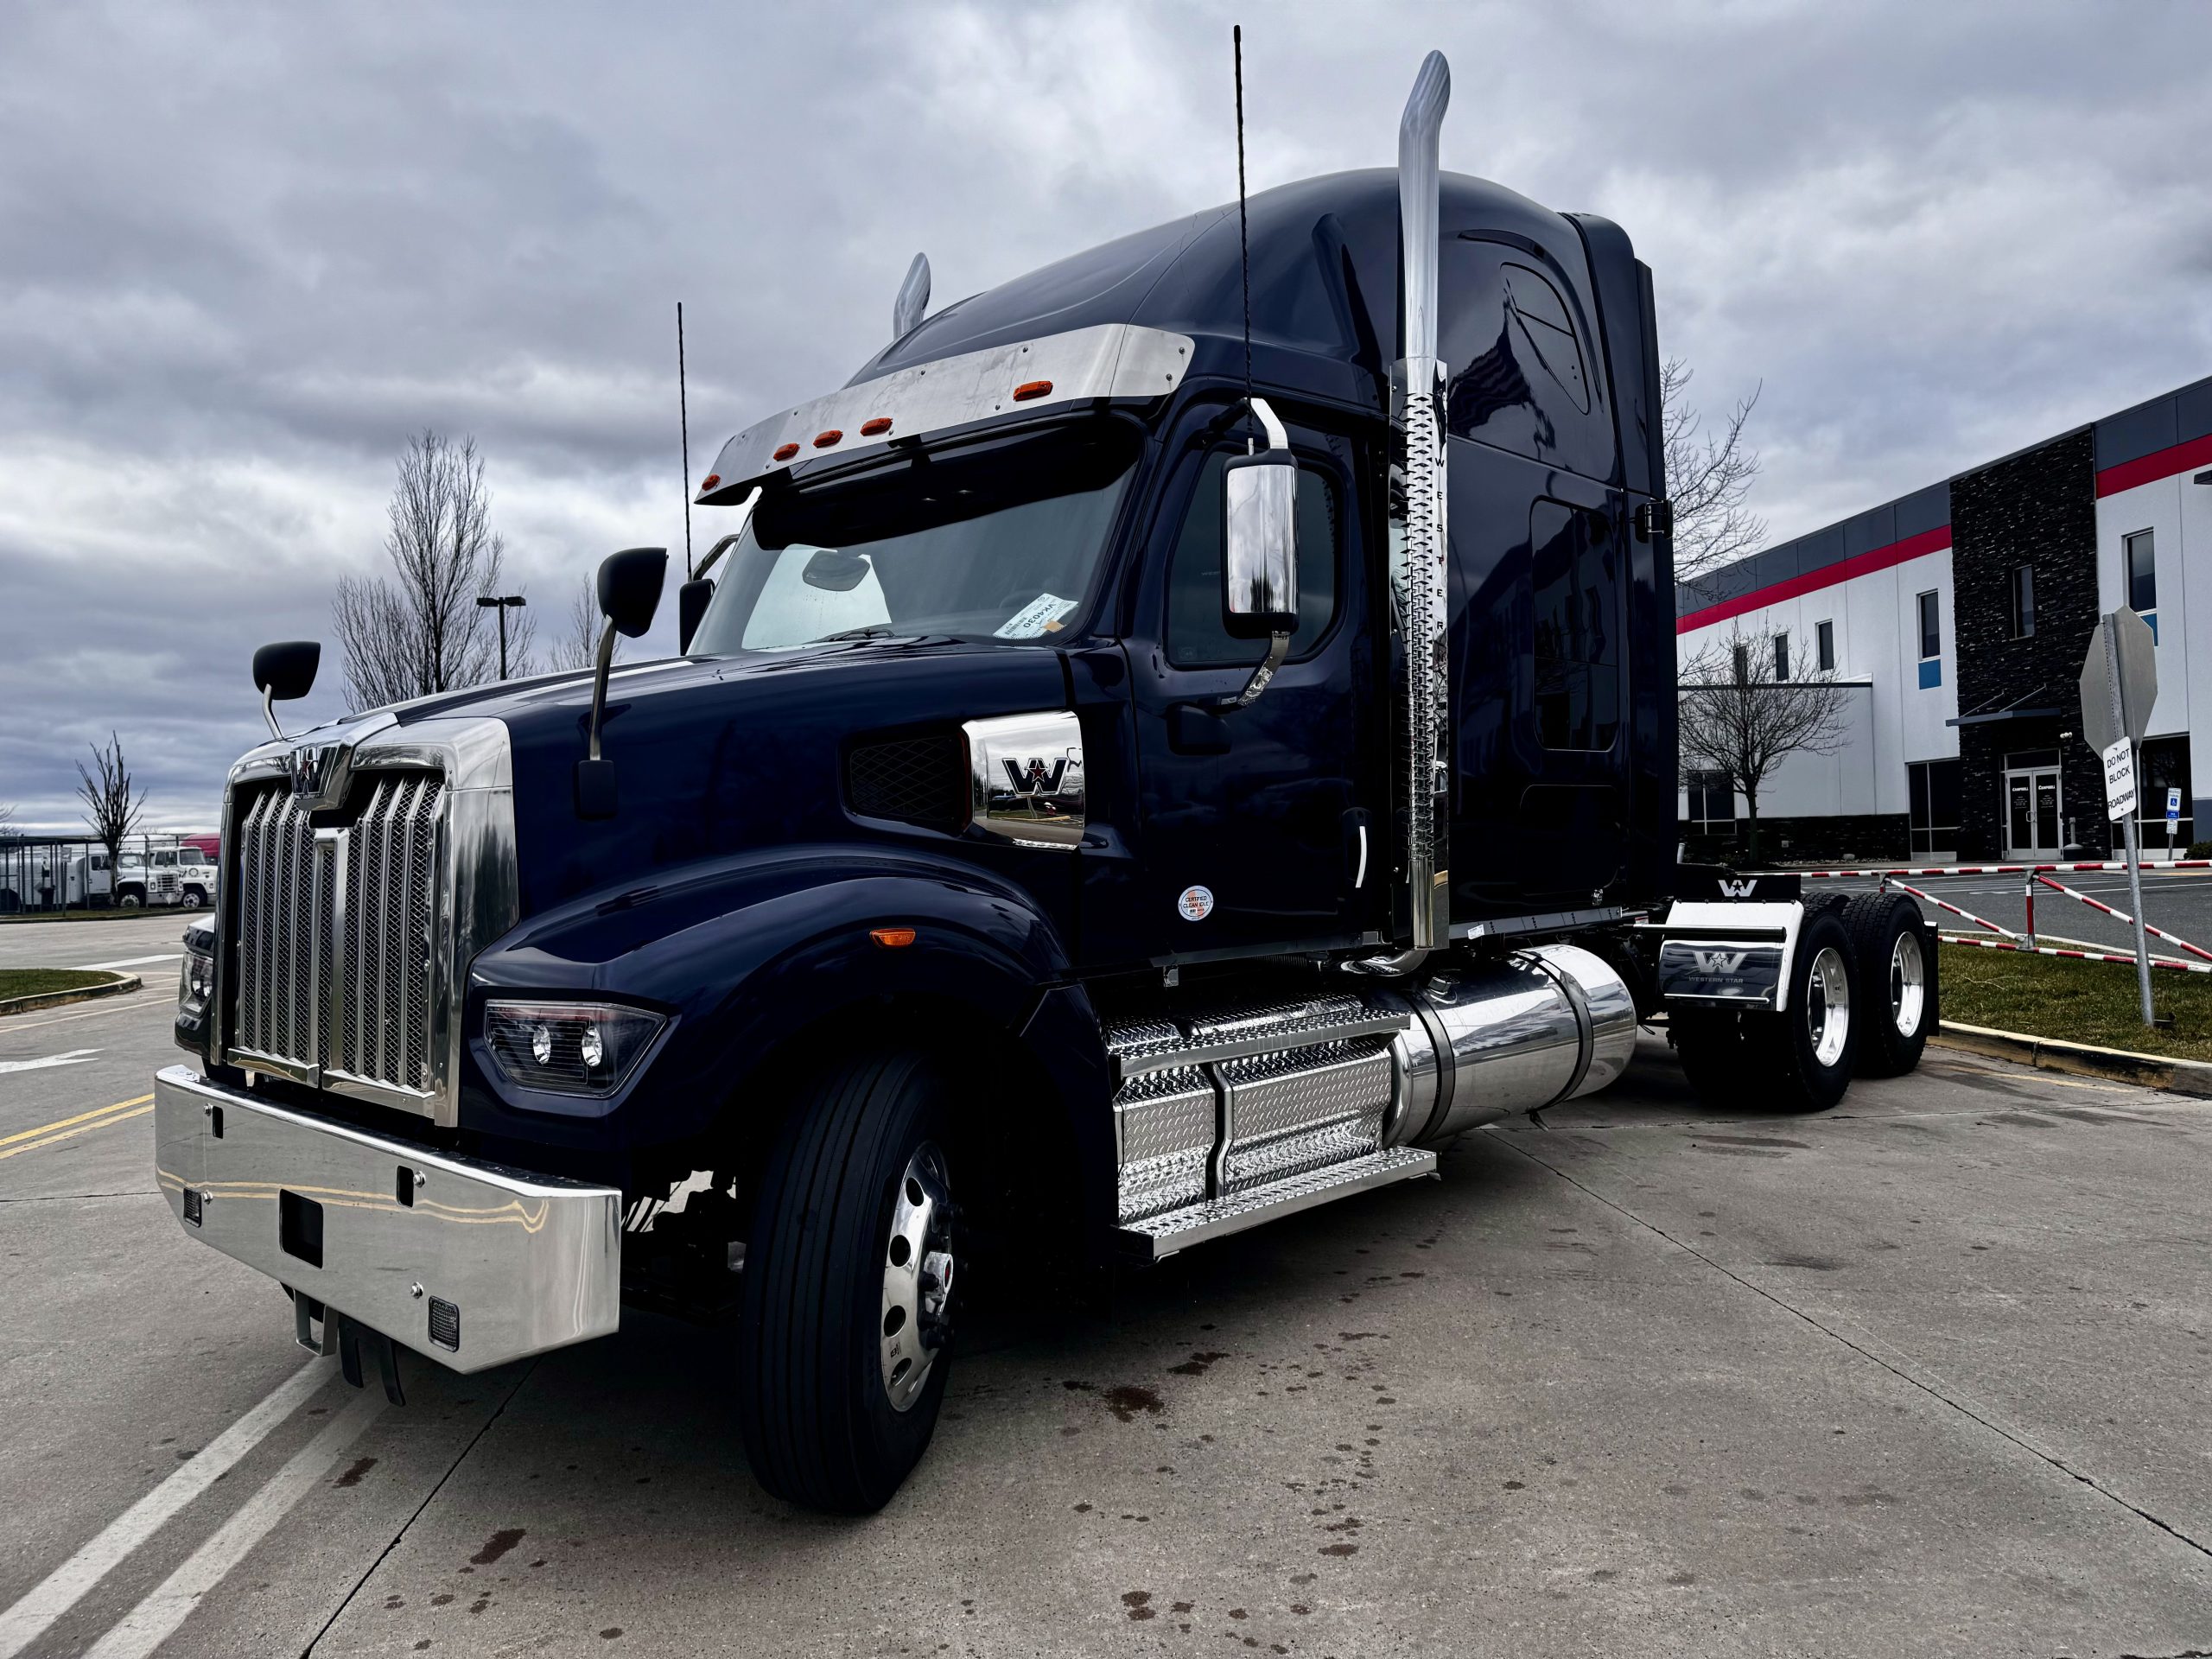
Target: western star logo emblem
pixel 311 768
pixel 1721 961
pixel 1739 889
pixel 1037 779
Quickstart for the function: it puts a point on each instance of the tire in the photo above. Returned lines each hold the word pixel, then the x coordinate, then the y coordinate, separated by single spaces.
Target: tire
pixel 851 1245
pixel 130 898
pixel 1710 1044
pixel 1898 1001
pixel 193 898
pixel 1800 1059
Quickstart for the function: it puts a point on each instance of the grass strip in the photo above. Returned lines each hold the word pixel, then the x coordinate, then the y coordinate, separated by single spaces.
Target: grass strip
pixel 2076 1002
pixel 42 982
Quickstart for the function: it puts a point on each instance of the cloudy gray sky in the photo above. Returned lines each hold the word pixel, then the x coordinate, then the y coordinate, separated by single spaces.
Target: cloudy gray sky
pixel 245 251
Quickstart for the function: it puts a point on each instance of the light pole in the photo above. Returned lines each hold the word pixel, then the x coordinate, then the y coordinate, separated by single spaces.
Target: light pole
pixel 501 603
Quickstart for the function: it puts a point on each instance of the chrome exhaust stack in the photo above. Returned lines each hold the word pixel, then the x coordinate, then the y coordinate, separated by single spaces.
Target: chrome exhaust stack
pixel 1418 569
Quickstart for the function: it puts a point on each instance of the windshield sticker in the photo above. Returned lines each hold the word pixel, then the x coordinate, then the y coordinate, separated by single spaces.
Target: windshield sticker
pixel 1194 903
pixel 1040 615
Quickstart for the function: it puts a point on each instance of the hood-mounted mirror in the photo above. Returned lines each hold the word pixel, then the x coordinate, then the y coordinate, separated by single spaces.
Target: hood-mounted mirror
pixel 630 583
pixel 284 672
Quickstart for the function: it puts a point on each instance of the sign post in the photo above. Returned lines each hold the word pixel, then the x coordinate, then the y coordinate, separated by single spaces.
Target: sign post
pixel 2120 682
pixel 2173 819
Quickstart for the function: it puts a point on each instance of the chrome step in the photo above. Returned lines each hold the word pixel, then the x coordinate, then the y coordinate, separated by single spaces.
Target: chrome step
pixel 1159 1237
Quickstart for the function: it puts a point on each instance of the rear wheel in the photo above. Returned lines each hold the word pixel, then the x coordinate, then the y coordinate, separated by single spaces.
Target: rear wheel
pixel 849 1279
pixel 1897 994
pixel 1800 1059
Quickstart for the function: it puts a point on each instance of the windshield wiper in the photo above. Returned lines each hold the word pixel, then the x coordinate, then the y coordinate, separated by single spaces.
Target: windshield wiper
pixel 872 630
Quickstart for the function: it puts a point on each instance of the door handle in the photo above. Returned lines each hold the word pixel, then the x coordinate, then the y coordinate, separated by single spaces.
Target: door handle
pixel 1356 845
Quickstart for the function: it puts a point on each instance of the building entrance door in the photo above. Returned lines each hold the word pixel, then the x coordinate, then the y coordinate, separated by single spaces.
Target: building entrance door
pixel 2031 826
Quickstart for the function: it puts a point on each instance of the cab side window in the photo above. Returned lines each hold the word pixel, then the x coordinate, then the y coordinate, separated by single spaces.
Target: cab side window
pixel 1195 635
pixel 1524 377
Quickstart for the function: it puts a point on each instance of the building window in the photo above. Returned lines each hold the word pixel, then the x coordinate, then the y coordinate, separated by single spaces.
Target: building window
pixel 1743 665
pixel 2161 766
pixel 1824 646
pixel 1931 645
pixel 1712 807
pixel 1934 789
pixel 1781 656
pixel 2024 601
pixel 2142 573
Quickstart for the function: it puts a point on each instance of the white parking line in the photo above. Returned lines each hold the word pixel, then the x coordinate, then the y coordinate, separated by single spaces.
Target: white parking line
pixel 132 962
pixel 61 1589
pixel 73 1057
pixel 155 1619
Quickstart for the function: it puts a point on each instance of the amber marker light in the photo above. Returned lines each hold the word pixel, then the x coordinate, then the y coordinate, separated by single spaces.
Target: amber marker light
pixel 711 481
pixel 823 440
pixel 876 428
pixel 1029 389
pixel 892 938
pixel 785 451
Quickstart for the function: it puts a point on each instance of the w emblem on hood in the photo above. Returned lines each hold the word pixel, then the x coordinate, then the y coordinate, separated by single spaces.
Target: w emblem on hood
pixel 1036 778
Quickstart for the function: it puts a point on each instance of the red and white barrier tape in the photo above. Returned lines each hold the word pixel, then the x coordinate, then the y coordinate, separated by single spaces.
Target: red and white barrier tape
pixel 2095 904
pixel 2082 955
pixel 1929 898
pixel 2005 869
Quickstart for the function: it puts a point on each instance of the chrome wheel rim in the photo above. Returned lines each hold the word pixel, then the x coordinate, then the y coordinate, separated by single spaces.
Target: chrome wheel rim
pixel 1908 983
pixel 918 1273
pixel 1827 1006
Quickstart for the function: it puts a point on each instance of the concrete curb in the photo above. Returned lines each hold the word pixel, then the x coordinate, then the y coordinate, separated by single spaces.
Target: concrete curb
pixel 118 985
pixel 2081 1060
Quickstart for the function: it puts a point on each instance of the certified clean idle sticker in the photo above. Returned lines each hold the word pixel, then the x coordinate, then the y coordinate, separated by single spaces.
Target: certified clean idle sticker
pixel 1194 903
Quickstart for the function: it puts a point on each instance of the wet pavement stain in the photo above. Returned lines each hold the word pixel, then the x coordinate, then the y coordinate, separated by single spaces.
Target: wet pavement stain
pixel 1199 1363
pixel 358 1467
pixel 1126 1400
pixel 497 1545
pixel 1139 1603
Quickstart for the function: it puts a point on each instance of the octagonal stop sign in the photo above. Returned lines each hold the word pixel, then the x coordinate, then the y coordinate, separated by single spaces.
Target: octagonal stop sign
pixel 2138 681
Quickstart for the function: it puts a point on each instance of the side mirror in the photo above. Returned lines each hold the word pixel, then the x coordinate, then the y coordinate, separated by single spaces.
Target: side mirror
pixel 1259 545
pixel 629 588
pixel 629 593
pixel 284 672
pixel 691 602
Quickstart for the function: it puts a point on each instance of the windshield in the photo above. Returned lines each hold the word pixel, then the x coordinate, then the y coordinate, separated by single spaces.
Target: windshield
pixel 997 540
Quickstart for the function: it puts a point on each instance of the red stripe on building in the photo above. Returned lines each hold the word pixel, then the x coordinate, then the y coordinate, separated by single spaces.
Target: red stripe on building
pixel 1859 564
pixel 2149 469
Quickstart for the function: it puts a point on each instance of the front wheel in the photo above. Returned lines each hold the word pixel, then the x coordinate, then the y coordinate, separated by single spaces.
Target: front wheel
pixel 1801 1058
pixel 848 1279
pixel 132 899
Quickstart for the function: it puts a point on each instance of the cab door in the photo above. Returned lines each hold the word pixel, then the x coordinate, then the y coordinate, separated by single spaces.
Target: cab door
pixel 1256 828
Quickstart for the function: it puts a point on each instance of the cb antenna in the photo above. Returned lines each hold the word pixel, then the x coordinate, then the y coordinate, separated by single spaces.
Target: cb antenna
pixel 1243 230
pixel 683 424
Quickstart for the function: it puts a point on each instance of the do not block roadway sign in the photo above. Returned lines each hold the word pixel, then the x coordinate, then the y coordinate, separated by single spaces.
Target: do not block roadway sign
pixel 2120 780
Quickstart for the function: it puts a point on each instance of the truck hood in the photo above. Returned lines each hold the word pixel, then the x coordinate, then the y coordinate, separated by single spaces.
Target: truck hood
pixel 719 755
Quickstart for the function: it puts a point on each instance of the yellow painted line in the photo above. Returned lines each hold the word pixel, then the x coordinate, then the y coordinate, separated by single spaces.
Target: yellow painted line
pixel 70 1134
pixel 63 1123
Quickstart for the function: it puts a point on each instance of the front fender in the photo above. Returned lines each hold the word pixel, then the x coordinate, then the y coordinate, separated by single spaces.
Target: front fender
pixel 744 952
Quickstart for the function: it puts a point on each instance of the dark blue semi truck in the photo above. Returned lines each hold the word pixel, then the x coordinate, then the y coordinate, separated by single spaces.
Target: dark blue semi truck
pixel 1124 782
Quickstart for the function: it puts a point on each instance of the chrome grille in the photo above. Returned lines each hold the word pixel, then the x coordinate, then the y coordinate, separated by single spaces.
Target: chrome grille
pixel 336 932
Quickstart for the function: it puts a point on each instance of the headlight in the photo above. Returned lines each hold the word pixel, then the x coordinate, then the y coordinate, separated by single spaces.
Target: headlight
pixel 568 1048
pixel 196 983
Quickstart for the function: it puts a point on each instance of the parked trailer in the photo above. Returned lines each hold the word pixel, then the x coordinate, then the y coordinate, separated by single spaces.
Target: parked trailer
pixel 1098 808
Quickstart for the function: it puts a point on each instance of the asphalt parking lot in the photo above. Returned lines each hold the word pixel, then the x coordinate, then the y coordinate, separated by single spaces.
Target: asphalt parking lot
pixel 1926 1374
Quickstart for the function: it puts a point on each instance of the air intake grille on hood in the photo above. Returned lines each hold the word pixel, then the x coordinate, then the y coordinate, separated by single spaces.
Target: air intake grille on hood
pixel 917 780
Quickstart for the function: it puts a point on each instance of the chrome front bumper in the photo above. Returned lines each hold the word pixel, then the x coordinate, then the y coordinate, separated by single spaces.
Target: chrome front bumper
pixel 468 1264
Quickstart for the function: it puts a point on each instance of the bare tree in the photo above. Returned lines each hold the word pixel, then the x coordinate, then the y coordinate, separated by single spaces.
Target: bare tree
pixel 110 811
pixel 1709 477
pixel 1741 716
pixel 578 646
pixel 419 631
